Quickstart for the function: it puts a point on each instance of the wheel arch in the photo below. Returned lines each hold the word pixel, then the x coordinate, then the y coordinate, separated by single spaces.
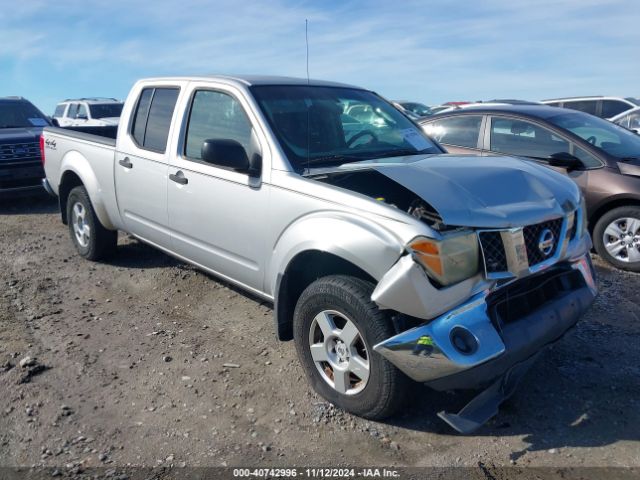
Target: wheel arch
pixel 610 204
pixel 76 171
pixel 302 270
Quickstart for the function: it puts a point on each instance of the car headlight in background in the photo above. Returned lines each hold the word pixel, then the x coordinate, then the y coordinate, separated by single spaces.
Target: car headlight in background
pixel 450 260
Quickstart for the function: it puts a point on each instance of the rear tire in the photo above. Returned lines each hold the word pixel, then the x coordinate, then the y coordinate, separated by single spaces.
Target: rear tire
pixel 335 327
pixel 616 238
pixel 91 239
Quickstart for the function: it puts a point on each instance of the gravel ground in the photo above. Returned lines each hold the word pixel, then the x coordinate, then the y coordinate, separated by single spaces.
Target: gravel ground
pixel 145 361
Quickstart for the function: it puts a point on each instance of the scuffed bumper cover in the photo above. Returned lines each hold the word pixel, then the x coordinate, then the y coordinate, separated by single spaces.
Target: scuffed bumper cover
pixel 499 346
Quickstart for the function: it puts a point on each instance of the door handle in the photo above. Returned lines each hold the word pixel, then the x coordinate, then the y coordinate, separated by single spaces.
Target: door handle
pixel 179 178
pixel 126 163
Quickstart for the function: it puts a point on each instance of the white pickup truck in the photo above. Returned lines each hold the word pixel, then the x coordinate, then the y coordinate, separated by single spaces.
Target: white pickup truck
pixel 385 259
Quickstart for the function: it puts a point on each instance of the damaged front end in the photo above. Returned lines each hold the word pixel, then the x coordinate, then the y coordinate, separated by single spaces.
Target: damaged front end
pixel 490 339
pixel 483 332
pixel 502 272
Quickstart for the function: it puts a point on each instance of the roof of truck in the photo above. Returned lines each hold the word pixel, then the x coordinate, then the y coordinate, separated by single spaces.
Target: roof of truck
pixel 250 80
pixel 91 100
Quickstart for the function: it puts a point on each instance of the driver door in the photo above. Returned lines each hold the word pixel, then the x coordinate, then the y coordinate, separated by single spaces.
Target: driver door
pixel 217 216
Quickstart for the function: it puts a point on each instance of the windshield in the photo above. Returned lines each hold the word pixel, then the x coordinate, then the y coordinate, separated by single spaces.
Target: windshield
pixel 346 125
pixel 105 110
pixel 613 139
pixel 21 114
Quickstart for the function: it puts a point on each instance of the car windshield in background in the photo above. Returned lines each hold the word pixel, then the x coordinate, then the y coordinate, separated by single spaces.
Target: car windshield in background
pixel 613 139
pixel 417 108
pixel 333 125
pixel 106 110
pixel 20 114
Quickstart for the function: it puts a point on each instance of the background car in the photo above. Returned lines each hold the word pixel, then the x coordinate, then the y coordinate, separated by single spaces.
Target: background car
pixel 630 119
pixel 88 111
pixel 600 106
pixel 21 124
pixel 419 109
pixel 601 157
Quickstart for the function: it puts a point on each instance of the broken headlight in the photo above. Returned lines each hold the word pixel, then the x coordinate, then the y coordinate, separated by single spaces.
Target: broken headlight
pixel 450 260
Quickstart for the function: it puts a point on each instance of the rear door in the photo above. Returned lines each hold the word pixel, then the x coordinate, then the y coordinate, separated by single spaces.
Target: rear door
pixel 458 134
pixel 141 164
pixel 218 216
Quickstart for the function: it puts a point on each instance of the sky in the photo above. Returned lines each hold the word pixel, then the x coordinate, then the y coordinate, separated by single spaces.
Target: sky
pixel 429 51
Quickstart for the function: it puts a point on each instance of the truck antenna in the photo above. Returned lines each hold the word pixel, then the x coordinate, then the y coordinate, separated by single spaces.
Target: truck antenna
pixel 306 38
pixel 308 104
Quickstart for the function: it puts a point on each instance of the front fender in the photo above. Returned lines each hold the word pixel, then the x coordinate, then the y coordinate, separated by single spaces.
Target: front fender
pixel 75 162
pixel 358 240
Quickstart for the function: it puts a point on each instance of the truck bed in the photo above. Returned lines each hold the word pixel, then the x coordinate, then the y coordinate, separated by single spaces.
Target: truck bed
pixel 91 152
pixel 104 135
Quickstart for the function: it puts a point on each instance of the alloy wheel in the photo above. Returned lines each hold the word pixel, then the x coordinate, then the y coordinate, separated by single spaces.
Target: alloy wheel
pixel 621 239
pixel 339 352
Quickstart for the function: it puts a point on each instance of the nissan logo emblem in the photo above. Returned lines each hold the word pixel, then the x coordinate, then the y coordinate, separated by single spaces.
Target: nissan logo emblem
pixel 546 242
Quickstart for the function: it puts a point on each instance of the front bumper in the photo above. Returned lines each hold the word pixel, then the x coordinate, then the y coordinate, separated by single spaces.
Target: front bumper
pixel 497 329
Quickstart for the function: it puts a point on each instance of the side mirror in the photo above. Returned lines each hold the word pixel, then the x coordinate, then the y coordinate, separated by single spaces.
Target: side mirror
pixel 230 154
pixel 565 160
pixel 81 116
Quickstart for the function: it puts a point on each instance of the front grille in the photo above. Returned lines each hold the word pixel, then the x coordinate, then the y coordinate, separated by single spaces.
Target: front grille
pixel 524 297
pixel 19 151
pixel 495 259
pixel 532 238
pixel 494 245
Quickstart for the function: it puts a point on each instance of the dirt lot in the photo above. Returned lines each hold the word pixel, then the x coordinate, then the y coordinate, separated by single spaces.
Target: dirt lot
pixel 146 361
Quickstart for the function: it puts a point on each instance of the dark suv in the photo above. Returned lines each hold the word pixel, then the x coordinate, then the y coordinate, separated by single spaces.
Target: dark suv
pixel 601 157
pixel 21 124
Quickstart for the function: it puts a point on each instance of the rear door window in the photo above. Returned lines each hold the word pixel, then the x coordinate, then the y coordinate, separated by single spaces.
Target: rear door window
pixel 513 136
pixel 73 109
pixel 587 106
pixel 82 111
pixel 611 108
pixel 462 131
pixel 152 120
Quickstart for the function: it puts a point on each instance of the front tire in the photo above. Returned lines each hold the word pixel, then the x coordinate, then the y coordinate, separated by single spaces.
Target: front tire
pixel 335 327
pixel 616 237
pixel 91 239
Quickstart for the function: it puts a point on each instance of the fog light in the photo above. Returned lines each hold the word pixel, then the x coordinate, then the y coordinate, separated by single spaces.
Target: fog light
pixel 463 341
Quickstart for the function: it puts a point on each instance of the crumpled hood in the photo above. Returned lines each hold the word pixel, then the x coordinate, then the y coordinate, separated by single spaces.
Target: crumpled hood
pixel 483 192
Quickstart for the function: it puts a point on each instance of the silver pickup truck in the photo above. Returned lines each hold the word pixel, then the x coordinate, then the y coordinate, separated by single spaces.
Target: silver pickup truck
pixel 386 260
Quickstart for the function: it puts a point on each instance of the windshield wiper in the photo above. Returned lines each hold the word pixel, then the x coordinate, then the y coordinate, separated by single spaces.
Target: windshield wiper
pixel 335 159
pixel 403 153
pixel 363 156
pixel 12 126
pixel 630 159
